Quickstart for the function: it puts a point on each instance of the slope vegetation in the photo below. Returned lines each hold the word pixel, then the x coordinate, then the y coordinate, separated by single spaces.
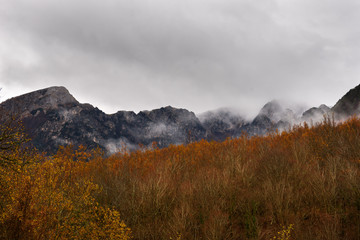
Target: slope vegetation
pixel 301 184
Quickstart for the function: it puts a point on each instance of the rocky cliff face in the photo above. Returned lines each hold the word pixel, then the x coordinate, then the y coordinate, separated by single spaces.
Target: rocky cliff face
pixel 53 117
pixel 222 124
pixel 271 117
pixel 348 105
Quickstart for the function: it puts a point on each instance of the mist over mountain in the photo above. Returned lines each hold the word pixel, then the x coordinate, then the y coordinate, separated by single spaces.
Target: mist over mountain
pixel 53 117
pixel 316 114
pixel 349 104
pixel 222 123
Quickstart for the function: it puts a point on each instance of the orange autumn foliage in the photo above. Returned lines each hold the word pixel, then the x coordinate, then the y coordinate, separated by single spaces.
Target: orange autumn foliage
pixel 54 198
pixel 300 184
pixel 244 188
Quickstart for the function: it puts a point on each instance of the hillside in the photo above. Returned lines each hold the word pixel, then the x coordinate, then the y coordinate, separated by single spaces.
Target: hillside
pixel 53 117
pixel 302 184
pixel 349 104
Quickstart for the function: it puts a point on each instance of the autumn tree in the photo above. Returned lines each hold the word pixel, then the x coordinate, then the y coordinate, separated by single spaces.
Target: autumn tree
pixel 50 197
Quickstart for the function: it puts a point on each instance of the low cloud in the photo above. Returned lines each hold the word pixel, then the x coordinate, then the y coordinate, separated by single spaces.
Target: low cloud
pixel 119 145
pixel 160 129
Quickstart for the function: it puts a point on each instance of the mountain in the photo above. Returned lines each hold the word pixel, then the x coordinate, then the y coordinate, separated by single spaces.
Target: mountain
pixel 316 114
pixel 349 104
pixel 271 116
pixel 222 123
pixel 53 117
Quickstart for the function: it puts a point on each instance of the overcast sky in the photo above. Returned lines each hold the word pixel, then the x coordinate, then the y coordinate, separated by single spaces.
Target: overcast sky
pixel 194 54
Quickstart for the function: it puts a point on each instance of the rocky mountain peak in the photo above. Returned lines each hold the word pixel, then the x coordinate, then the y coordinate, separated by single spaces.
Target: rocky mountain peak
pixel 324 107
pixel 349 104
pixel 315 114
pixel 170 114
pixel 272 110
pixel 48 98
pixel 53 117
pixel 222 123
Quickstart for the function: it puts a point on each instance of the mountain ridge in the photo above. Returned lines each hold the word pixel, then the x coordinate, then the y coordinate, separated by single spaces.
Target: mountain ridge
pixel 53 117
pixel 349 104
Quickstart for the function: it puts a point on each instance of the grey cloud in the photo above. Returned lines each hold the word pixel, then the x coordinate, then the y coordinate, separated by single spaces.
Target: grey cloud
pixel 196 54
pixel 119 145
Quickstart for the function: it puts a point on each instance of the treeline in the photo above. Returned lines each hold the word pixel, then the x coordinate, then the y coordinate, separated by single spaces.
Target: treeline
pixel 299 184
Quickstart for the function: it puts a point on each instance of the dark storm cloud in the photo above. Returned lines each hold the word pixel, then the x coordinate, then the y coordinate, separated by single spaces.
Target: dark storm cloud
pixel 197 54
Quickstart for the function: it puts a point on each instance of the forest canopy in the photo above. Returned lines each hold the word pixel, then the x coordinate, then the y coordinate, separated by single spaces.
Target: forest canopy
pixel 298 184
